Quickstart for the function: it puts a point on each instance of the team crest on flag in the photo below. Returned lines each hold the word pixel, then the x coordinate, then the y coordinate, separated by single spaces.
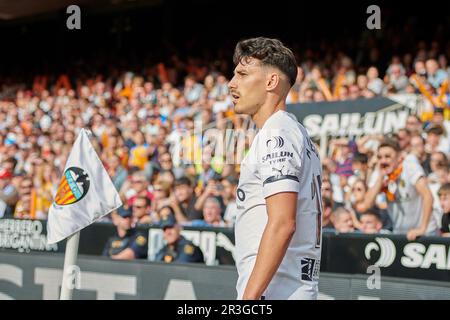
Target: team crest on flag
pixel 85 193
pixel 73 187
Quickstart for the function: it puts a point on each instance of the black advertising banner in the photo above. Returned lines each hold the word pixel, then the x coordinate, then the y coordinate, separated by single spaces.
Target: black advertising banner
pixel 38 276
pixel 427 258
pixel 25 236
pixel 217 244
pixel 378 115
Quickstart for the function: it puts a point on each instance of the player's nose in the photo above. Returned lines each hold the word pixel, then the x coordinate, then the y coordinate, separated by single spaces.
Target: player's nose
pixel 232 84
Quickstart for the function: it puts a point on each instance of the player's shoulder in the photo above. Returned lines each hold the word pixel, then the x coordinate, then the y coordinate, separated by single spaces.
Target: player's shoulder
pixel 186 246
pixel 282 120
pixel 139 238
pixel 284 124
pixel 411 165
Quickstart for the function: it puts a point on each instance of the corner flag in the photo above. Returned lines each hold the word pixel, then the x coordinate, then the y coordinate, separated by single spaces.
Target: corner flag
pixel 85 192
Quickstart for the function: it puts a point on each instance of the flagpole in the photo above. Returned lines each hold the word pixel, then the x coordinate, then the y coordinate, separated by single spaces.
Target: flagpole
pixel 70 259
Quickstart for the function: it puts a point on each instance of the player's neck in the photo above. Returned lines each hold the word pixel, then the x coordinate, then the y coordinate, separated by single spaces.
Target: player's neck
pixel 267 110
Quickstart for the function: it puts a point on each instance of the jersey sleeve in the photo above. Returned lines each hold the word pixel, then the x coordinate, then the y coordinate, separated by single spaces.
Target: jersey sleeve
pixel 198 256
pixel 105 252
pixel 279 159
pixel 414 171
pixel 373 178
pixel 160 255
pixel 139 246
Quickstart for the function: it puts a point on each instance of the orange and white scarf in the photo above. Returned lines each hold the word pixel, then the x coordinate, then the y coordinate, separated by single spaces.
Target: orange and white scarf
pixel 390 185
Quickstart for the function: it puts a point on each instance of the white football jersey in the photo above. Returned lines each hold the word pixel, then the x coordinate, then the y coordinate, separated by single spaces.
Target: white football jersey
pixel 406 210
pixel 282 158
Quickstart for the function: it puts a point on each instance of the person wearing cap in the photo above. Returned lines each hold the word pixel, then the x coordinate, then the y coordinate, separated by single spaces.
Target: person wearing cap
pixel 178 249
pixel 128 243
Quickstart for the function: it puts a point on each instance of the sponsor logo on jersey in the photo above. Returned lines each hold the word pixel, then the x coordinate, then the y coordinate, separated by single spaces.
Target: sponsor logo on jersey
pixel 279 171
pixel 310 269
pixel 276 155
pixel 277 141
pixel 240 194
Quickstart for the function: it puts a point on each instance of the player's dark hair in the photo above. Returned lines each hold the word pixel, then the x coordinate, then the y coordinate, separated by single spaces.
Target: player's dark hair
pixel 172 212
pixel 327 202
pixel 390 143
pixel 374 213
pixel 12 160
pixel 407 131
pixel 437 130
pixel 271 52
pixel 147 200
pixel 183 181
pixel 444 163
pixel 361 157
pixel 444 189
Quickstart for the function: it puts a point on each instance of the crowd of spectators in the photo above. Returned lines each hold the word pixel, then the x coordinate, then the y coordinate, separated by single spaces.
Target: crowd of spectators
pixel 144 128
pixel 426 73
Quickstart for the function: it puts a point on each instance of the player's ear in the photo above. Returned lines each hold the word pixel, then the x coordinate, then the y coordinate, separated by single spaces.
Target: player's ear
pixel 272 81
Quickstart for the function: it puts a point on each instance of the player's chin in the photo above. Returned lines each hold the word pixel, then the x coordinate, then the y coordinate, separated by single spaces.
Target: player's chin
pixel 386 169
pixel 389 170
pixel 239 108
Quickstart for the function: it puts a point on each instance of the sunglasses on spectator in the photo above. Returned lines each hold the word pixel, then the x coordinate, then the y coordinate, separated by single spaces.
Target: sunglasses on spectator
pixel 138 207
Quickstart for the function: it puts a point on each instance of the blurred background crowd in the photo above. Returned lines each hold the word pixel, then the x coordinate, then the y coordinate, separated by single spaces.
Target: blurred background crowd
pixel 143 107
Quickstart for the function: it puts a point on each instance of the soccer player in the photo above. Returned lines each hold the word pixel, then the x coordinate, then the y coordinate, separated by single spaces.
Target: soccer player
pixel 278 227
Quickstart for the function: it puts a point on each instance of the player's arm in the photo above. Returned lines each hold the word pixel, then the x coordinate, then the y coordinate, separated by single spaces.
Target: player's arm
pixel 427 208
pixel 105 252
pixel 281 211
pixel 126 254
pixel 372 192
pixel 280 190
pixel 136 250
pixel 209 189
pixel 9 198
